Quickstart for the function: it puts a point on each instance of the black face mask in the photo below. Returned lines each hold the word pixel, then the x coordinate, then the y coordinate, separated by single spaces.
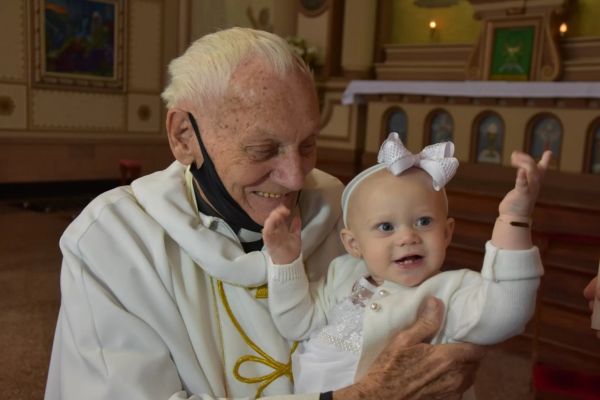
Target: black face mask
pixel 220 203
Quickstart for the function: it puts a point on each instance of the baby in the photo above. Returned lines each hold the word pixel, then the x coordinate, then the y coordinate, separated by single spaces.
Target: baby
pixel 396 234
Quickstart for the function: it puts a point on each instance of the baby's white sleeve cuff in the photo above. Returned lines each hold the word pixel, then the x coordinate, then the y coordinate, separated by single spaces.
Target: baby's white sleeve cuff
pixel 506 265
pixel 287 272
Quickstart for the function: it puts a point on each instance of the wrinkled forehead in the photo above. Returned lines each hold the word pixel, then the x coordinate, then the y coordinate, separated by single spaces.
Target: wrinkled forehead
pixel 254 74
pixel 258 86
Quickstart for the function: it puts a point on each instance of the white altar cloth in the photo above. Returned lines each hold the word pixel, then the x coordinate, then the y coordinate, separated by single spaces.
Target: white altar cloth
pixel 497 89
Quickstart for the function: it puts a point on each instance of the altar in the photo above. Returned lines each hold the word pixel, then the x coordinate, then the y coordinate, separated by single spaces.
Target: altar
pixel 486 120
pixel 472 89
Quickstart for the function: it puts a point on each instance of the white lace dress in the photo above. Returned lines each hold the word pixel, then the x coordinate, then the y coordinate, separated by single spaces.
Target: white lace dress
pixel 328 360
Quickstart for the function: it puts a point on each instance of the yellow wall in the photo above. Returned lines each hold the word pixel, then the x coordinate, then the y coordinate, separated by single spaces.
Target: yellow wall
pixel 455 24
pixel 583 18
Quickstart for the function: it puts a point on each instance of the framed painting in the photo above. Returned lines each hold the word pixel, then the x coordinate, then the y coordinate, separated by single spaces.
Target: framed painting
pixel 511 50
pixel 489 138
pixel 79 44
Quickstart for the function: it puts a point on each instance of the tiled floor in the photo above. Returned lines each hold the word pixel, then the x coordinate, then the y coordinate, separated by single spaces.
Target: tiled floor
pixel 29 300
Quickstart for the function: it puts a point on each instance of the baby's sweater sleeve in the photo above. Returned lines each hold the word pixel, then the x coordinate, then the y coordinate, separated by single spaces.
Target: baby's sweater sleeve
pixel 297 306
pixel 497 304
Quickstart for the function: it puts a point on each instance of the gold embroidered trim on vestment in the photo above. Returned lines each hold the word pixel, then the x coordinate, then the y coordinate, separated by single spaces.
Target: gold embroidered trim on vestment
pixel 222 349
pixel 262 292
pixel 279 368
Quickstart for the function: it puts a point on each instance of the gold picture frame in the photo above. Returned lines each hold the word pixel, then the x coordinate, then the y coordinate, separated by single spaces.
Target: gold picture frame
pixel 511 50
pixel 79 45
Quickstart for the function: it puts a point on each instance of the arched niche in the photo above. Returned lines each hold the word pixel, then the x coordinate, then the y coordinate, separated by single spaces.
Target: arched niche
pixel 591 164
pixel 544 132
pixel 487 139
pixel 395 119
pixel 439 127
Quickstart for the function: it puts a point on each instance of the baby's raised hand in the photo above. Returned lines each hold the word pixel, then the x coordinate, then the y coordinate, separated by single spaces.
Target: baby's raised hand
pixel 282 236
pixel 519 202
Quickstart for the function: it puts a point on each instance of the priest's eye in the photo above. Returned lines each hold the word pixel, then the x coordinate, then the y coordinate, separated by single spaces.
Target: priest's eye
pixel 385 227
pixel 308 146
pixel 424 221
pixel 260 153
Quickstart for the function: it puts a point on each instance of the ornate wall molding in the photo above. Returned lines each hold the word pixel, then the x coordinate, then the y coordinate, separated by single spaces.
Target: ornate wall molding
pixel 13 106
pixel 145 46
pixel 53 110
pixel 580 61
pixel 13 19
pixel 7 105
pixel 540 56
pixel 144 113
pixel 424 62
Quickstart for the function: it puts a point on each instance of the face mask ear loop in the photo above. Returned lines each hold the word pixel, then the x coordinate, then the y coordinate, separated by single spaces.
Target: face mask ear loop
pixel 197 134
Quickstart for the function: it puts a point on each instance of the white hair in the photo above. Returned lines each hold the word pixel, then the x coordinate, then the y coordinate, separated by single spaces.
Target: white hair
pixel 202 73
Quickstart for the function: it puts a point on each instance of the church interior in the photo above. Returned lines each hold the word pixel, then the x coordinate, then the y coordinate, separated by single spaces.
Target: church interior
pixel 492 76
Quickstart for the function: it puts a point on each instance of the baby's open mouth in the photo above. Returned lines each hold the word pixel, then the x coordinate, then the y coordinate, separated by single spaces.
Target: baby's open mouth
pixel 409 259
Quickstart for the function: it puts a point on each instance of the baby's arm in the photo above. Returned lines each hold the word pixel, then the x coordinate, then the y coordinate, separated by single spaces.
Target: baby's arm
pixel 497 304
pixel 291 304
pixel 512 230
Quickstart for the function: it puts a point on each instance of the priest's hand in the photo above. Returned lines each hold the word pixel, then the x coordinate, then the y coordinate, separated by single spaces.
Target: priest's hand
pixel 410 369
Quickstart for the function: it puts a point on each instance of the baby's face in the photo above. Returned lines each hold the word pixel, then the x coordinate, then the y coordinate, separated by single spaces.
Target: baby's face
pixel 399 226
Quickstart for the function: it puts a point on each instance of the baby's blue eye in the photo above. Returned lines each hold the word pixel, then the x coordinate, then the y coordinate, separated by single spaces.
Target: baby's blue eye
pixel 424 221
pixel 385 227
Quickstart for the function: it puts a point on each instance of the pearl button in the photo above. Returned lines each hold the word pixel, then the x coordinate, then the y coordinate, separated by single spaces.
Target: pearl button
pixel 383 292
pixel 375 306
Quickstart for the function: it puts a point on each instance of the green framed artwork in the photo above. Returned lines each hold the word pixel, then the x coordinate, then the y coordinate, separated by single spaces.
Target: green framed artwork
pixel 512 53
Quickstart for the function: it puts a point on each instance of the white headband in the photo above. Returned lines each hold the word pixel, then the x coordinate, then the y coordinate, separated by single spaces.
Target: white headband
pixel 435 159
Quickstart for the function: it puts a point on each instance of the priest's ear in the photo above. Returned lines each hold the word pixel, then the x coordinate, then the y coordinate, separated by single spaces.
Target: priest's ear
pixel 182 140
pixel 350 243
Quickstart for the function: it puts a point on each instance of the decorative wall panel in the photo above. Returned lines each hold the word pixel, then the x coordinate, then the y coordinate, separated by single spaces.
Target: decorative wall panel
pixel 77 111
pixel 313 30
pixel 13 106
pixel 13 40
pixel 144 113
pixel 145 38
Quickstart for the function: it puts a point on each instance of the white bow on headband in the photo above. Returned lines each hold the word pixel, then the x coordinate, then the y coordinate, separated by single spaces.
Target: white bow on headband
pixel 435 159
